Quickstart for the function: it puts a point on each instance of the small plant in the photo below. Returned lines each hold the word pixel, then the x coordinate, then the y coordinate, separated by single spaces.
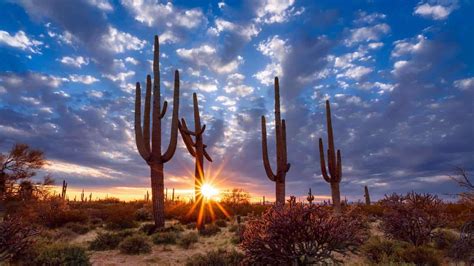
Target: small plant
pixel 120 217
pixel 136 244
pixel 382 251
pixel 301 234
pixel 221 223
pixel 143 214
pixel 412 217
pixel 210 230
pixel 444 239
pixel 58 254
pixel 216 257
pixel 15 238
pixel 164 238
pixel 191 225
pixel 147 228
pixel 187 240
pixel 421 255
pixel 105 241
pixel 78 228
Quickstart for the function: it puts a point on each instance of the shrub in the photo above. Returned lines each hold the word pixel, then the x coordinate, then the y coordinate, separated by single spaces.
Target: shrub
pixel 105 241
pixel 143 214
pixel 187 240
pixel 16 238
pixel 164 238
pixel 216 257
pixel 382 251
pixel 58 254
pixel 301 234
pixel 221 223
pixel 209 230
pixel 78 228
pixel 191 225
pixel 148 228
pixel 413 217
pixel 421 255
pixel 462 249
pixel 134 245
pixel 54 213
pixel 120 217
pixel 444 239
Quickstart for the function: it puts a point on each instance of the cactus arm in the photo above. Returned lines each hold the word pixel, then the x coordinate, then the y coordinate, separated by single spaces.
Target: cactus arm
pixel 339 167
pixel 208 157
pixel 174 124
pixel 138 127
pixel 197 118
pixel 332 154
pixel 146 119
pixel 186 138
pixel 322 162
pixel 266 162
pixel 286 167
pixel 163 110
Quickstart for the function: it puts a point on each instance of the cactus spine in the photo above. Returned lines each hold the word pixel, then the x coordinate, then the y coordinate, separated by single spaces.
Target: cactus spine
pixel 310 197
pixel 282 164
pixel 63 190
pixel 150 147
pixel 195 147
pixel 334 163
pixel 366 195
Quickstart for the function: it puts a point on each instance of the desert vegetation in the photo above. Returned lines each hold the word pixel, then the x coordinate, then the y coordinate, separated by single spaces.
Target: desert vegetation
pixel 38 227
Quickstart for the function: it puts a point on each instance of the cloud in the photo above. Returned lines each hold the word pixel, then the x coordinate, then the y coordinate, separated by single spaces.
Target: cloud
pixel 435 11
pixel 275 11
pixel 103 5
pixel 366 34
pixel 119 42
pixel 77 61
pixel 276 49
pixel 206 56
pixel 85 79
pixel 21 41
pixel 464 84
pixel 356 72
pixel 407 46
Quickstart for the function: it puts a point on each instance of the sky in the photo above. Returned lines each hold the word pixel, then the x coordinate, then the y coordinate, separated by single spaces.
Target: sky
pixel 399 75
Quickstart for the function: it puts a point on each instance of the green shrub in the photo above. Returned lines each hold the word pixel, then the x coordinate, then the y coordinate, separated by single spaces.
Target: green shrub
pixel 105 241
pixel 164 238
pixel 221 223
pixel 188 239
pixel 135 244
pixel 379 251
pixel 173 228
pixel 58 254
pixel 421 255
pixel 143 214
pixel 444 239
pixel 216 257
pixel 78 228
pixel 147 229
pixel 209 230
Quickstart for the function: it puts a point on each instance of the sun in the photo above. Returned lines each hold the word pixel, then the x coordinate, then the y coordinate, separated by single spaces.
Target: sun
pixel 208 191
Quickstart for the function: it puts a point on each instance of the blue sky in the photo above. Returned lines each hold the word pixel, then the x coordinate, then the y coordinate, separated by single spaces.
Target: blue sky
pixel 399 75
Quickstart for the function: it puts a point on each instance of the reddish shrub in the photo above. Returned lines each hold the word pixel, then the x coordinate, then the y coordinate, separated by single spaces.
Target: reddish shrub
pixel 301 234
pixel 15 238
pixel 412 217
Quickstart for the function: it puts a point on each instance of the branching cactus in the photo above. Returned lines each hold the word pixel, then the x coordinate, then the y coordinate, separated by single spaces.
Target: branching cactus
pixel 334 163
pixel 148 146
pixel 282 164
pixel 195 147
pixel 63 190
pixel 310 197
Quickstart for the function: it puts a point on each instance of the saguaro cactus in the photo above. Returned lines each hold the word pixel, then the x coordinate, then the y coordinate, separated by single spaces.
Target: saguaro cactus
pixel 282 164
pixel 366 195
pixel 334 163
pixel 63 190
pixel 195 147
pixel 150 148
pixel 310 197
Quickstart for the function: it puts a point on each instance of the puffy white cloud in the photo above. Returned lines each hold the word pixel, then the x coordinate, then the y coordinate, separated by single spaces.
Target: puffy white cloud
pixel 85 79
pixel 246 31
pixel 103 5
pixel 206 87
pixel 131 60
pixel 356 72
pixel 276 49
pixel 435 11
pixel 235 85
pixel 21 41
pixel 206 56
pixel 77 61
pixel 364 18
pixel 151 12
pixel 404 47
pixel 118 41
pixel 276 11
pixel 169 37
pixel 464 84
pixel 366 34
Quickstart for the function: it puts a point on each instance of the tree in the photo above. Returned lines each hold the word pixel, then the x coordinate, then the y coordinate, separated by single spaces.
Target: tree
pixel 18 165
pixel 236 196
pixel 462 178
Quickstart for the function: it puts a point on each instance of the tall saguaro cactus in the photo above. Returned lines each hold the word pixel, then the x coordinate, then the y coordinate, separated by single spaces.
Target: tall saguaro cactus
pixel 195 147
pixel 282 164
pixel 150 147
pixel 334 163
pixel 366 195
pixel 63 190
